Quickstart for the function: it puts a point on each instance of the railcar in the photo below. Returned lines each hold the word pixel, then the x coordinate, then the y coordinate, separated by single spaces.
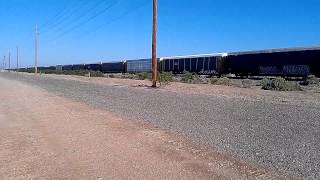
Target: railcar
pixel 93 67
pixel 47 68
pixel 113 67
pixel 275 62
pixel 201 64
pixel 139 65
pixel 67 67
pixel 77 67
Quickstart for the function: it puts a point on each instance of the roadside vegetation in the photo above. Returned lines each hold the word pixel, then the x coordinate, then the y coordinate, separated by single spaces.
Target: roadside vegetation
pixel 142 76
pixel 220 81
pixel 67 72
pixel 165 78
pixel 192 78
pixel 280 84
pixel 311 81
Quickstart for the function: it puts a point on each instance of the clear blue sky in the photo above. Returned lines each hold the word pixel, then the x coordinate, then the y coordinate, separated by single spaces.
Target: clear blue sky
pixel 122 28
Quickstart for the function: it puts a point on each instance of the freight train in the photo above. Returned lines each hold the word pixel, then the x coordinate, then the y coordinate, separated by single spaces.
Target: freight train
pixel 275 62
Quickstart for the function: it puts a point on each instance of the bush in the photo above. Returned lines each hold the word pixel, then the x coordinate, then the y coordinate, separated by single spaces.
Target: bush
pixel 192 78
pixel 187 77
pixel 165 78
pixel 220 81
pixel 96 74
pixel 143 76
pixel 131 76
pixel 70 72
pixel 311 80
pixel 279 84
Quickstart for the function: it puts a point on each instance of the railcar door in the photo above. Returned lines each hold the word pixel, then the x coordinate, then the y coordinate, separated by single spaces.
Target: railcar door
pixel 176 66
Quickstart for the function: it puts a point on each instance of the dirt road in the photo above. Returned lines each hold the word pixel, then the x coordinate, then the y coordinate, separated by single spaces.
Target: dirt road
pixel 43 136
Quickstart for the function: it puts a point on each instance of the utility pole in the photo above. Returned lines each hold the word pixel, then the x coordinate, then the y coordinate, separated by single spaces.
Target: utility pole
pixel 36 51
pixel 154 43
pixel 9 60
pixel 4 63
pixel 17 58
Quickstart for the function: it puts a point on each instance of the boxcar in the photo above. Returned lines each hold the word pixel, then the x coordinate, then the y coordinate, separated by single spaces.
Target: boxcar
pixel 47 68
pixel 113 67
pixel 140 65
pixel 276 62
pixel 58 67
pixel 77 67
pixel 201 64
pixel 67 67
pixel 93 67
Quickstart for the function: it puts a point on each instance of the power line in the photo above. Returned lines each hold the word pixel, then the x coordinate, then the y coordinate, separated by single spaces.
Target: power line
pixel 57 16
pixel 65 17
pixel 88 20
pixel 117 18
pixel 78 18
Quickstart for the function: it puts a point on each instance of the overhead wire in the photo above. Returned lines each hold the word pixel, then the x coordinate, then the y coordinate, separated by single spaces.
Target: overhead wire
pixel 78 18
pixel 58 15
pixel 92 17
pixel 129 11
pixel 67 16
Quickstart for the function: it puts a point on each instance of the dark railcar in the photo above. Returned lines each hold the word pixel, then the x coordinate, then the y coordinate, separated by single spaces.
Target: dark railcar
pixel 58 67
pixel 41 68
pixel 201 64
pixel 93 67
pixel 67 67
pixel 283 62
pixel 77 67
pixel 47 68
pixel 52 67
pixel 113 67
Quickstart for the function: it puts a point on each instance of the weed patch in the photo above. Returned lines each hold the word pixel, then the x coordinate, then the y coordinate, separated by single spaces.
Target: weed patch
pixel 279 84
pixel 220 81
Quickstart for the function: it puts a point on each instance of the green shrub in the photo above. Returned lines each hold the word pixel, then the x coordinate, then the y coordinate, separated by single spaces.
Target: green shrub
pixel 279 84
pixel 143 76
pixel 165 78
pixel 96 74
pixel 131 76
pixel 220 81
pixel 191 78
pixel 26 70
pixel 187 77
pixel 71 72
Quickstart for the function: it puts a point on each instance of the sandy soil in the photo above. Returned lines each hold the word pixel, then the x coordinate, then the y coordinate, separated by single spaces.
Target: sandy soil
pixel 43 136
pixel 306 98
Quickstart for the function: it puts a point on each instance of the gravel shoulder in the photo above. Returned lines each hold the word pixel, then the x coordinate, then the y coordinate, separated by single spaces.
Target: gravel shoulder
pixel 278 135
pixel 44 136
pixel 310 97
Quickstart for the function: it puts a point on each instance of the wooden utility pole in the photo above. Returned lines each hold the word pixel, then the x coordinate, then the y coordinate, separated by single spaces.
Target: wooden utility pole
pixel 36 51
pixel 17 58
pixel 154 43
